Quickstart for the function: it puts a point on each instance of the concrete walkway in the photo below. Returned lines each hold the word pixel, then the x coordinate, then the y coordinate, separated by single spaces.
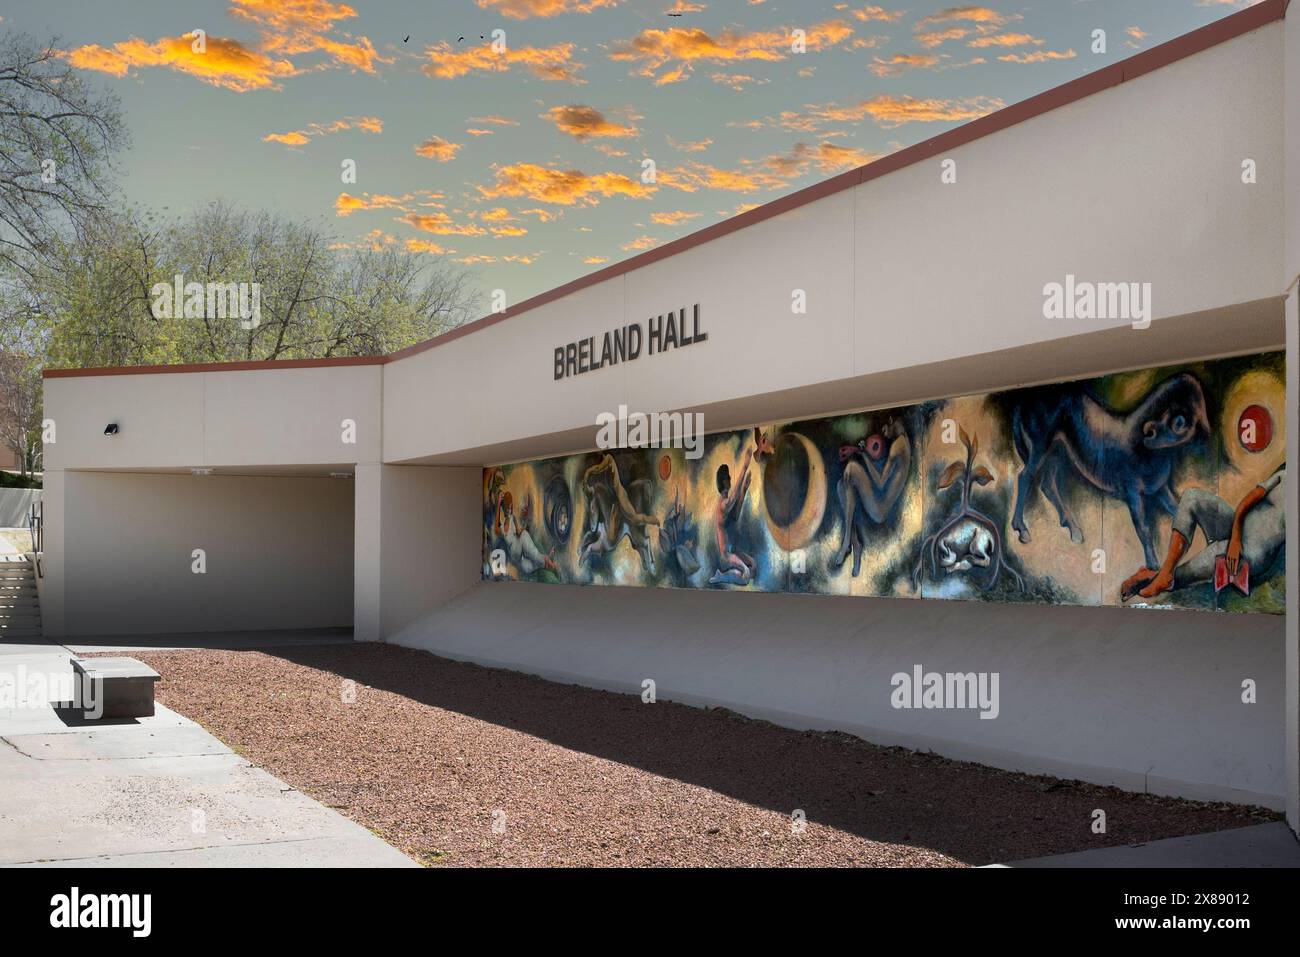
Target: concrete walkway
pixel 152 792
pixel 1261 845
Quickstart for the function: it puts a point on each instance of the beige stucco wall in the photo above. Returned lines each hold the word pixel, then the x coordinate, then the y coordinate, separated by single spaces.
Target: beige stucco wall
pixel 1140 182
pixel 278 553
pixel 196 419
pixel 418 531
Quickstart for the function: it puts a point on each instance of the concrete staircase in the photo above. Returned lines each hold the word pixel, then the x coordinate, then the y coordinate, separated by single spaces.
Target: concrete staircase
pixel 20 611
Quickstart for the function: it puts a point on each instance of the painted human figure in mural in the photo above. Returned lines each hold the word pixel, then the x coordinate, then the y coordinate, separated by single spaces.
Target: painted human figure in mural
pixel 876 470
pixel 734 566
pixel 1241 541
pixel 520 547
pixel 612 515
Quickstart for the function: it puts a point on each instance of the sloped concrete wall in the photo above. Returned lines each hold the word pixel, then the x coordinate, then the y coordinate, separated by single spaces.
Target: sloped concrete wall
pixel 1140 700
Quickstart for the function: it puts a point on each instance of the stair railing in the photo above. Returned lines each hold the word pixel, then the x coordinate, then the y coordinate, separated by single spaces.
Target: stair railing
pixel 36 526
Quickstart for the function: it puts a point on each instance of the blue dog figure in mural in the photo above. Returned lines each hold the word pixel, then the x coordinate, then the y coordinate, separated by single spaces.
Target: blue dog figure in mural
pixel 1130 457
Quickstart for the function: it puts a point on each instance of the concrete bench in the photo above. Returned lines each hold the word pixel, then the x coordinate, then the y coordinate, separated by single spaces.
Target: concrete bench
pixel 124 686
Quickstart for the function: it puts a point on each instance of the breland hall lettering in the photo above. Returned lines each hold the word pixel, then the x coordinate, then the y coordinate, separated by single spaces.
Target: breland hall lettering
pixel 670 330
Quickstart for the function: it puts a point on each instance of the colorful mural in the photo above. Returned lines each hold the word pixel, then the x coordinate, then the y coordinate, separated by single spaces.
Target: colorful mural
pixel 1159 487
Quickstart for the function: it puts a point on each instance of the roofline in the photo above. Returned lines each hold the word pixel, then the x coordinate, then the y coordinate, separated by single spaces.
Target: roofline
pixel 219 366
pixel 1147 61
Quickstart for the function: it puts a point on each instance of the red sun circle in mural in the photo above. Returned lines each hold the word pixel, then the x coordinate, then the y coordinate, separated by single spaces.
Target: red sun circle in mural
pixel 665 467
pixel 1255 428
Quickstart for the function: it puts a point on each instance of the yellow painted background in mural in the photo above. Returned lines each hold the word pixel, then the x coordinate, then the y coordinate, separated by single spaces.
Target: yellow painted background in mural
pixel 1148 488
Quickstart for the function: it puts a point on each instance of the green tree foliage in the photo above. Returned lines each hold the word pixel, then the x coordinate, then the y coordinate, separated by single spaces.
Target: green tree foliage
pixel 106 292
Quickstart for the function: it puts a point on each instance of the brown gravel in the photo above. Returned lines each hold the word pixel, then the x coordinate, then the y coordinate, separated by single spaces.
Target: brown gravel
pixel 431 748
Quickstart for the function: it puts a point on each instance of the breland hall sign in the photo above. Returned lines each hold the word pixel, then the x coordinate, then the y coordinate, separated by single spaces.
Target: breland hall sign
pixel 658 334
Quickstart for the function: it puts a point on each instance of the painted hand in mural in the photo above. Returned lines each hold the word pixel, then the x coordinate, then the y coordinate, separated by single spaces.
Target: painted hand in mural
pixel 1060 433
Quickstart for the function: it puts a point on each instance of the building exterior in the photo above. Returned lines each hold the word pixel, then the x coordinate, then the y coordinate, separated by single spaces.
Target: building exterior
pixel 933 286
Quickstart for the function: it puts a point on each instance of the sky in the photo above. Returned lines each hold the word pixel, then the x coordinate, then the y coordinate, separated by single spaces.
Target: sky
pixel 525 162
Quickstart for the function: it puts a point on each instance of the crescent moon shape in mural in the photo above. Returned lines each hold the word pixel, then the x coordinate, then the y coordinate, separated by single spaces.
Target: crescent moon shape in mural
pixel 794 491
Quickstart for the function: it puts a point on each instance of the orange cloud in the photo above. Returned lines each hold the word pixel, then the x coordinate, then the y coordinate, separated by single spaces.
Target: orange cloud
pixel 523 9
pixel 932 38
pixel 347 204
pixel 827 157
pixel 224 63
pixel 675 218
pixel 286 28
pixel 440 224
pixel 543 215
pixel 1006 40
pixel 293 27
pixel 436 148
pixel 655 49
pixel 690 146
pixel 737 81
pixel 891 111
pixel 479 258
pixel 595 260
pixel 696 176
pixel 1038 56
pixel 868 14
pixel 417 245
pixel 969 14
pixel 367 124
pixel 958 23
pixel 584 122
pixel 901 62
pixel 831 158
pixel 546 63
pixel 562 187
pixel 641 242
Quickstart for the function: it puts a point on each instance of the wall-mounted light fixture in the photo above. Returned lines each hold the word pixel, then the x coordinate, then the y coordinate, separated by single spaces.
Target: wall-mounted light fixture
pixel 110 429
pixel 203 471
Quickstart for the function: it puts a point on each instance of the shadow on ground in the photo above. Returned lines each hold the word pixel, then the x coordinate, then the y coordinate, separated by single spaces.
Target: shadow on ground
pixel 966 812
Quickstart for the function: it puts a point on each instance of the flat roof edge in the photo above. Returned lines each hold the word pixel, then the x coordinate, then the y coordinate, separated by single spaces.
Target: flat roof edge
pixel 1140 64
pixel 248 366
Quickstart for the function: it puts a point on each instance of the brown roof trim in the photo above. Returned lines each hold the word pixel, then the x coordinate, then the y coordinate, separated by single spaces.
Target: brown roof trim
pixel 220 366
pixel 1205 37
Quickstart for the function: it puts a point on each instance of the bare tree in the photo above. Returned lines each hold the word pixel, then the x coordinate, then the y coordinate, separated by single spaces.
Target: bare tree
pixel 57 139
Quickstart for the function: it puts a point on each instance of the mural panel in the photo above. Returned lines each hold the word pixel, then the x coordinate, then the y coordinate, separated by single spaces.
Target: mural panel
pixel 1154 488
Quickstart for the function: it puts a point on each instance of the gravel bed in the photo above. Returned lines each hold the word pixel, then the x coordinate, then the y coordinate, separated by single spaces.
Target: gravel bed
pixel 457 764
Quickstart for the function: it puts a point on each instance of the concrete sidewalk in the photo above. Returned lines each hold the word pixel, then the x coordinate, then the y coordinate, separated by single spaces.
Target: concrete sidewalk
pixel 152 792
pixel 1261 845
